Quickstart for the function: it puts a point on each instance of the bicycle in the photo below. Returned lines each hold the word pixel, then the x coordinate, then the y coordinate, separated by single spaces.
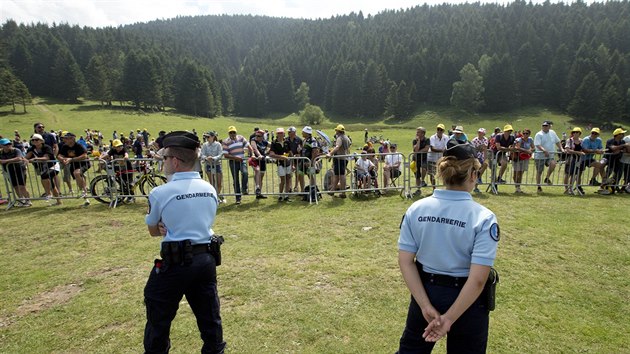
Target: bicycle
pixel 113 188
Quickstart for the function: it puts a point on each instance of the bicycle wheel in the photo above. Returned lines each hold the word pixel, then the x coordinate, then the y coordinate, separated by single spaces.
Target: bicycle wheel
pixel 148 182
pixel 102 189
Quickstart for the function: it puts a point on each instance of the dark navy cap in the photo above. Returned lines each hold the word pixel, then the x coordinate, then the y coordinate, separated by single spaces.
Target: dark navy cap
pixel 181 139
pixel 460 151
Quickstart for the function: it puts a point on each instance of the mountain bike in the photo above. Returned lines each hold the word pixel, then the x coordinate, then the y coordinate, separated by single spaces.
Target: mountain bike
pixel 114 187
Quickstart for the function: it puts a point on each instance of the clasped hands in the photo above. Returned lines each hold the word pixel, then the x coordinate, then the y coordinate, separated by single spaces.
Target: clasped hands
pixel 438 326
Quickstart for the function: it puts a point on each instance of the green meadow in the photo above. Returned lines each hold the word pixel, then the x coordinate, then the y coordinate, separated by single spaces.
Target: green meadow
pixel 303 278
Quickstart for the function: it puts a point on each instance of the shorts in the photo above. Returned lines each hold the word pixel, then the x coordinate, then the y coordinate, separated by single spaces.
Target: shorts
pixel 573 166
pixel 261 164
pixel 284 170
pixel 362 175
pixel 521 165
pixel 541 163
pixel 587 163
pixel 213 168
pixel 339 166
pixel 49 174
pixel 81 167
pixel 422 164
pixel 17 176
pixel 432 168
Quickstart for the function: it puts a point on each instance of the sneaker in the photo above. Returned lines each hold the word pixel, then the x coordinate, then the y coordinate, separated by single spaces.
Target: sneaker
pixel 238 202
pixel 479 181
pixel 417 193
pixel 500 180
pixel 86 203
pixel 260 196
pixel 342 196
pixel 280 199
pixel 287 199
pixel 580 189
pixel 423 184
pixel 539 190
pixel 594 183
pixel 476 190
pixel 518 190
pixel 83 195
pixel 548 181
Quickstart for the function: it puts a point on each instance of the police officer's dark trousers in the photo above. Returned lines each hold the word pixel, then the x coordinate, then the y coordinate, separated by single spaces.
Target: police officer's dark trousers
pixel 164 291
pixel 469 334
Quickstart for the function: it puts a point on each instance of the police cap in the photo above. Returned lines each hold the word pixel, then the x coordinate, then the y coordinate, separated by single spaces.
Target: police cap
pixel 181 139
pixel 460 151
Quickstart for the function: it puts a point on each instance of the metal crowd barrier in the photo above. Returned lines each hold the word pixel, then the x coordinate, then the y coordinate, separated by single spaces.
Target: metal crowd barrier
pixel 113 183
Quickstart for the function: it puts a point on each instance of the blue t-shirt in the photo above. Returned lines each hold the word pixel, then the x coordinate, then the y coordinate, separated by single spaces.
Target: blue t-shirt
pixel 187 205
pixel 448 232
pixel 590 144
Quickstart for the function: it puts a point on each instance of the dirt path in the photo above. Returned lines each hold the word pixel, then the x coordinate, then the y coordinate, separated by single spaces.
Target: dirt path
pixel 44 109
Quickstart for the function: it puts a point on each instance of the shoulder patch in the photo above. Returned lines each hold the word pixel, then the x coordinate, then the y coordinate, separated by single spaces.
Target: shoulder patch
pixel 495 233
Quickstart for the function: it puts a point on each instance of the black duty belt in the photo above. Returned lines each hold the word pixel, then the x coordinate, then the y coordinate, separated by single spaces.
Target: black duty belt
pixel 201 248
pixel 441 280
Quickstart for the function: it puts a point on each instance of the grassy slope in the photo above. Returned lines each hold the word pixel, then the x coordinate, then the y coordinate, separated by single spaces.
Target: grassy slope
pixel 305 278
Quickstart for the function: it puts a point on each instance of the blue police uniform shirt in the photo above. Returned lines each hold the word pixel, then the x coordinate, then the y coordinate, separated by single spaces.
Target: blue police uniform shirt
pixel 187 205
pixel 592 145
pixel 448 231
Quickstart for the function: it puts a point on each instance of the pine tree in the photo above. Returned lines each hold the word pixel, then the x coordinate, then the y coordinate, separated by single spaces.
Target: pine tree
pixel 97 81
pixel 586 102
pixel 68 82
pixel 612 103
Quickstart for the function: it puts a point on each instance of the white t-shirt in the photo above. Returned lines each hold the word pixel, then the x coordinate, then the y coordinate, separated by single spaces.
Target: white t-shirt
pixel 548 141
pixel 436 143
pixel 393 159
pixel 363 165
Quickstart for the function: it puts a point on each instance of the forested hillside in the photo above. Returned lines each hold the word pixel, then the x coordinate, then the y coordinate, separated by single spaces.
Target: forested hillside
pixel 492 58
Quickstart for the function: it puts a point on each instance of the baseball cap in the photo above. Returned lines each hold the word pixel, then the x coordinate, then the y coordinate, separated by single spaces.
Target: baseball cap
pixel 279 130
pixel 441 126
pixel 547 122
pixel 37 137
pixel 458 129
pixel 260 132
pixel 116 143
pixel 307 130
pixel 340 128
pixel 5 141
pixel 231 128
pixel 68 135
pixel 576 129
pixel 181 139
pixel 619 131
pixel 461 151
pixel 507 128
pixel 212 133
pixel 481 130
pixel 292 129
pixel 422 129
pixel 595 130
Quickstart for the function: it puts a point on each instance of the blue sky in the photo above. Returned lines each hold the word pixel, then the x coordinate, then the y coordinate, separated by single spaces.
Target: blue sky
pixel 100 13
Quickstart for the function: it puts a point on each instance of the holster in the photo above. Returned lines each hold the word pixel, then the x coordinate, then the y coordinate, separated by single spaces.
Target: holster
pixel 215 248
pixel 490 289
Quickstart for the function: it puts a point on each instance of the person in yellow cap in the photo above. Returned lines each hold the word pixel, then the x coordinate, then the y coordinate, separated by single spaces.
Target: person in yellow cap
pixel 120 160
pixel 625 163
pixel 615 148
pixel 573 168
pixel 503 144
pixel 592 145
pixel 340 161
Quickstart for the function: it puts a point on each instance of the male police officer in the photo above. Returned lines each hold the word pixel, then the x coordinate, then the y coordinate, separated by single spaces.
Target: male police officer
pixel 187 206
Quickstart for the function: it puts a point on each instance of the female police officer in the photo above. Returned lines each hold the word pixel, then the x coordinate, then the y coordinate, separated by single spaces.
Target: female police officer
pixel 446 247
pixel 186 206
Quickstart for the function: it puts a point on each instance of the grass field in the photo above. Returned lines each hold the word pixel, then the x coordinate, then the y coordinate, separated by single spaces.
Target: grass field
pixel 306 278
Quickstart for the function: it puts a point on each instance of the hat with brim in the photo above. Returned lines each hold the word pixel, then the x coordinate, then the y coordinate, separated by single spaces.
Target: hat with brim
pixel 116 143
pixel 69 135
pixel 441 126
pixel 182 139
pixel 340 128
pixel 576 130
pixel 231 129
pixel 595 130
pixel 458 129
pixel 37 137
pixel 307 130
pixel 547 122
pixel 508 128
pixel 619 131
pixel 279 130
pixel 5 141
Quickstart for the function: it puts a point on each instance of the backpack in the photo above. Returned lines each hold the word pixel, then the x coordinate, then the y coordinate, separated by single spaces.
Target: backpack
pixel 312 195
